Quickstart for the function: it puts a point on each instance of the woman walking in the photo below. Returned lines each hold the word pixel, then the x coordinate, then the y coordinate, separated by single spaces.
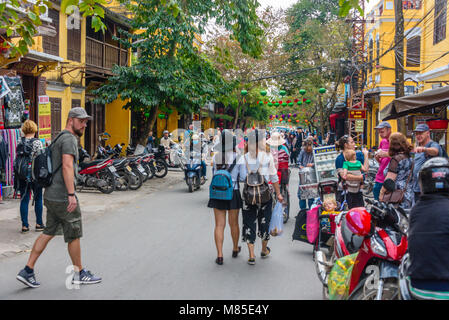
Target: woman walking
pixel 29 129
pixel 345 144
pixel 399 173
pixel 258 166
pixel 227 158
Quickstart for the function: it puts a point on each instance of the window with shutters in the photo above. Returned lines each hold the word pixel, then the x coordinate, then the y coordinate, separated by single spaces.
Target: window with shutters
pixel 370 53
pixel 413 52
pixel 55 117
pixel 76 103
pixel 439 29
pixel 51 44
pixel 74 44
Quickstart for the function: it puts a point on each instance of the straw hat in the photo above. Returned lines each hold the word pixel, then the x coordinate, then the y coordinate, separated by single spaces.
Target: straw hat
pixel 276 139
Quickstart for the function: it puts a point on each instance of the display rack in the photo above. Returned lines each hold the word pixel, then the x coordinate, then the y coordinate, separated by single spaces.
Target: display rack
pixel 324 159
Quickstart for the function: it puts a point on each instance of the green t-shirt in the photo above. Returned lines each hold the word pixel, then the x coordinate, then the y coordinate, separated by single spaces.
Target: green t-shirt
pixel 66 144
pixel 352 166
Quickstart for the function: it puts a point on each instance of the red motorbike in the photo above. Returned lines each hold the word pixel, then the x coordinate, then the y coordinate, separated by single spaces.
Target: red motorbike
pixel 380 239
pixel 96 174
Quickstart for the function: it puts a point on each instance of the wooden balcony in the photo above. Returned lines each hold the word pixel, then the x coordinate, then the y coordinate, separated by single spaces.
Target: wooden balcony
pixel 104 56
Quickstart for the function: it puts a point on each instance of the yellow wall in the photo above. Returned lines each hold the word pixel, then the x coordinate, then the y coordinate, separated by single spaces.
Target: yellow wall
pixel 118 122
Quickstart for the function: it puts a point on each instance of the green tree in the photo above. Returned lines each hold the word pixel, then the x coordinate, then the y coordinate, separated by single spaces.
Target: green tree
pixel 317 40
pixel 171 71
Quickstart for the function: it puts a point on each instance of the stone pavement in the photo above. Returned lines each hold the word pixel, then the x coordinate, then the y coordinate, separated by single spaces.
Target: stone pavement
pixel 93 204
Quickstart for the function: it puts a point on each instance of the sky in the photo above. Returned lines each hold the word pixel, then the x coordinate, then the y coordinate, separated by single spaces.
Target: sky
pixel 283 4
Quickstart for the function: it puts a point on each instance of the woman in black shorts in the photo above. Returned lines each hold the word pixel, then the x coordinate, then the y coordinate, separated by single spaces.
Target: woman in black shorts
pixel 223 160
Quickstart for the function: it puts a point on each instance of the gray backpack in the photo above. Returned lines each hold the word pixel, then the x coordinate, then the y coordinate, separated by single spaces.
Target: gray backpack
pixel 256 190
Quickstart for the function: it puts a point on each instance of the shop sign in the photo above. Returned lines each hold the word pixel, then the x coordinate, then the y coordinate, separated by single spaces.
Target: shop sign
pixel 357 114
pixel 44 118
pixel 322 150
pixel 359 126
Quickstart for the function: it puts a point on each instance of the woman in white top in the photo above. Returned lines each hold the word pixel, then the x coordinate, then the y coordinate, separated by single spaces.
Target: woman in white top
pixel 224 159
pixel 256 218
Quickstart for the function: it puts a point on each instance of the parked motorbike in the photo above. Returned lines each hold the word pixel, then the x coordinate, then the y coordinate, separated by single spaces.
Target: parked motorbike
pixel 176 157
pixel 380 240
pixel 96 174
pixel 192 172
pixel 128 179
pixel 370 177
pixel 159 163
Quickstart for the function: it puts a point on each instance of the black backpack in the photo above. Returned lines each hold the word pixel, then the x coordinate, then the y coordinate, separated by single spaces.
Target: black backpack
pixel 42 168
pixel 22 162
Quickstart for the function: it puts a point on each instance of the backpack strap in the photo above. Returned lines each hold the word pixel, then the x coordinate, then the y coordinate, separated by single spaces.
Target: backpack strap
pixel 56 139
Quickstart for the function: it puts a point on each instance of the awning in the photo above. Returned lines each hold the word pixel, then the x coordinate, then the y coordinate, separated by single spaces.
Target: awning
pixel 415 103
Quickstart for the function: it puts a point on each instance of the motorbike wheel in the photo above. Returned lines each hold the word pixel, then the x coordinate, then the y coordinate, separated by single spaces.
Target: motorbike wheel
pixel 119 186
pixel 389 292
pixel 286 195
pixel 135 182
pixel 107 176
pixel 161 169
pixel 190 184
pixel 148 170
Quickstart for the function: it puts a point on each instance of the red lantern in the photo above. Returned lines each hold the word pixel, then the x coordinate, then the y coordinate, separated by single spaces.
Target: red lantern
pixel 296 100
pixel 288 101
pixel 265 102
pixel 280 102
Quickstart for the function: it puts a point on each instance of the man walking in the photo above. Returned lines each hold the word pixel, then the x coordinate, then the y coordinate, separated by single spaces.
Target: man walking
pixel 426 148
pixel 297 144
pixel 63 209
pixel 382 157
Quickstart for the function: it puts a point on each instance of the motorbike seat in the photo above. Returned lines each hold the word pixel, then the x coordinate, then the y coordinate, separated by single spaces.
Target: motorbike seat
pixel 119 162
pixel 86 164
pixel 352 241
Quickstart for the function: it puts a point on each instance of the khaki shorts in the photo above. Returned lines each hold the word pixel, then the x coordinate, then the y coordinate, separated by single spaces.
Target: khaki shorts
pixel 61 222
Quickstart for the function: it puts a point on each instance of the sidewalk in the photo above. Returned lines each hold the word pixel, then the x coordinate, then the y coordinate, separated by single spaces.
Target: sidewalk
pixel 93 204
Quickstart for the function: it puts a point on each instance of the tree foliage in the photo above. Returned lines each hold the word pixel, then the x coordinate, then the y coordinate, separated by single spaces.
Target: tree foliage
pixel 171 71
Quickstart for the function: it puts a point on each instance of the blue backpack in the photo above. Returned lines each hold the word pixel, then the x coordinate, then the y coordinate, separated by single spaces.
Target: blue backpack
pixel 221 186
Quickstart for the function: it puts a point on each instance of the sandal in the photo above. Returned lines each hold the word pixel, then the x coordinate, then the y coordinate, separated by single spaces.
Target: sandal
pixel 219 261
pixel 40 227
pixel 265 255
pixel 25 229
pixel 252 261
pixel 236 253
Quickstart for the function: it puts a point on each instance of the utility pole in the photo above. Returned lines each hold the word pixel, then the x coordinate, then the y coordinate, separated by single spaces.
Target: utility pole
pixel 399 57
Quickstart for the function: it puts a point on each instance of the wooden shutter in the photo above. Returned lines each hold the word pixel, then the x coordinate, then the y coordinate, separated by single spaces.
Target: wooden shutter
pixel 413 51
pixel 74 44
pixel 55 117
pixel 51 44
pixel 76 103
pixel 439 30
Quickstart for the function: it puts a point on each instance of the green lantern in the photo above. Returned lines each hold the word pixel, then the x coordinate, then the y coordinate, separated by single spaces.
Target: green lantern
pixel 276 104
pixel 147 114
pixel 243 92
pixel 282 92
pixel 270 104
pixel 263 93
pixel 284 104
pixel 291 104
pixel 161 116
pixel 299 102
pixel 302 92
pixel 322 90
pixel 308 101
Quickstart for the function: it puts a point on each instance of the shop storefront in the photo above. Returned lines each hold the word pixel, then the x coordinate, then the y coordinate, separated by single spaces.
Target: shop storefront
pixel 429 107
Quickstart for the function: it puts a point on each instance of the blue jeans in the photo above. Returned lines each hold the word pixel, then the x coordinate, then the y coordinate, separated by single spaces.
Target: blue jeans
pixel 376 190
pixel 24 203
pixel 303 204
pixel 203 169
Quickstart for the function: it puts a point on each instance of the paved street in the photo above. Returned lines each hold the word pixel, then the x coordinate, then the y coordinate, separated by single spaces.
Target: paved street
pixel 160 246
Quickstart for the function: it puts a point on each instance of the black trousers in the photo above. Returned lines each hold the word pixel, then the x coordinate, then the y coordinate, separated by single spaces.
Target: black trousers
pixel 355 200
pixel 256 221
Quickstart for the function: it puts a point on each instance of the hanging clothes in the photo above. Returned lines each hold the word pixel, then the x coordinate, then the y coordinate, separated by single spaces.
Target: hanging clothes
pixel 4 153
pixel 4 89
pixel 12 138
pixel 14 101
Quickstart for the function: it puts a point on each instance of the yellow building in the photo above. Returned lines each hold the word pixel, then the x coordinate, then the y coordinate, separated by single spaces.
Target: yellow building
pixel 425 60
pixel 68 60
